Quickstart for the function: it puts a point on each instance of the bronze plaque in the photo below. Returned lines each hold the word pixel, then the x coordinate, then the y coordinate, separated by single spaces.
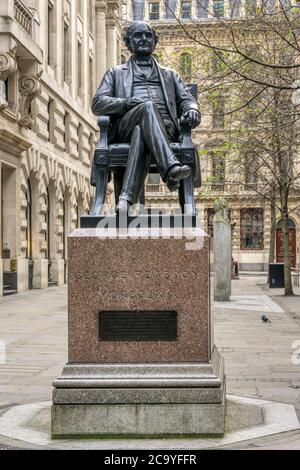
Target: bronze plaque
pixel 138 326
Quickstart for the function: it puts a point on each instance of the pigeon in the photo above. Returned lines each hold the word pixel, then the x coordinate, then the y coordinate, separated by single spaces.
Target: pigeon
pixel 265 319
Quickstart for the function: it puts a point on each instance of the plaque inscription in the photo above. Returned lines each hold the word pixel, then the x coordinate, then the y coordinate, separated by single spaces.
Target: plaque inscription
pixel 138 325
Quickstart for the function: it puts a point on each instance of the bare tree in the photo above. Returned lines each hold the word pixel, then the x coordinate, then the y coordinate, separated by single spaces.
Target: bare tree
pixel 253 62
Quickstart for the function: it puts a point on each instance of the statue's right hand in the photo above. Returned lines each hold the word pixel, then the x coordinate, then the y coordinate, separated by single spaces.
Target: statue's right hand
pixel 133 102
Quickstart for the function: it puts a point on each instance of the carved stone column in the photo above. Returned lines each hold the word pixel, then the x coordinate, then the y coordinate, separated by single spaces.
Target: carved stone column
pixel 30 87
pixel 113 33
pixel 101 8
pixel 8 66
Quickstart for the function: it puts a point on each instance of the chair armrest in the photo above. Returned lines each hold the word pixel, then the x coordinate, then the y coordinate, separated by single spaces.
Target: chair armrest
pixel 103 123
pixel 186 133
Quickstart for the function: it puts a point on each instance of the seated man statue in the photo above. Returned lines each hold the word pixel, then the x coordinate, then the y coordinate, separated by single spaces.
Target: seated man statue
pixel 145 102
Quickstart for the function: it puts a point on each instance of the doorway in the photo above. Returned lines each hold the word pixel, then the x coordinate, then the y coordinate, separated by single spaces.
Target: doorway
pixel 292 242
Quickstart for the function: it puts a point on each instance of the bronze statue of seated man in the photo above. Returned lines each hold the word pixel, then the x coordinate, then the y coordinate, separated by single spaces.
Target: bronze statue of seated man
pixel 145 102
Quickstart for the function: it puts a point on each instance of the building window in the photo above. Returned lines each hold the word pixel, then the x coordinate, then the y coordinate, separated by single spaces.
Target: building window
pixel 29 222
pixel 4 89
pixel 185 64
pixel 153 183
pixel 92 82
pixel 251 171
pixel 284 4
pixel 80 8
pixel 234 6
pixel 269 5
pixel 79 144
pixel 50 126
pixel 250 6
pixel 154 11
pixel 47 232
pixel 252 229
pixel 202 8
pixel 51 34
pixel 67 120
pixel 218 112
pixel 153 178
pixel 186 9
pixel 218 170
pixel 218 7
pixel 67 54
pixel 124 11
pixel 91 6
pixel 79 70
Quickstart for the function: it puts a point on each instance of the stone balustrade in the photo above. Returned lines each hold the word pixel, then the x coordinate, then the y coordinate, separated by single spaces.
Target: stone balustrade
pixel 23 16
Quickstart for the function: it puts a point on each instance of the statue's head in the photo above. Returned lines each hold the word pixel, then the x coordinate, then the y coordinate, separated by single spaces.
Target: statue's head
pixel 140 38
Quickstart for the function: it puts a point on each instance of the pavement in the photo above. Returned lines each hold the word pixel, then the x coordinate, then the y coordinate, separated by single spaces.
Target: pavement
pixel 261 357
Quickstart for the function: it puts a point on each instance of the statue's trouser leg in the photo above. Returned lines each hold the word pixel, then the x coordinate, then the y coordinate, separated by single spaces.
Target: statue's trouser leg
pixel 154 133
pixel 137 168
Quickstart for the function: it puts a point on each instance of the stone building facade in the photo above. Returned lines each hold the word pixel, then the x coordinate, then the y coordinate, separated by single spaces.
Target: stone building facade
pixel 250 216
pixel 52 56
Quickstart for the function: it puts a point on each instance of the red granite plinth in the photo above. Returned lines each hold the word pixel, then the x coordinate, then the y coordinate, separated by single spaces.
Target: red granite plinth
pixel 141 274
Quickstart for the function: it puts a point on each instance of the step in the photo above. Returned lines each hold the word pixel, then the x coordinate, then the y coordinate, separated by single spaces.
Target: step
pixel 7 292
pixel 253 273
pixel 52 284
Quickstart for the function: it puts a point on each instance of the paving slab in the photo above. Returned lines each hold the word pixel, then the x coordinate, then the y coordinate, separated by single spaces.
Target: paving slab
pixel 246 418
pixel 258 356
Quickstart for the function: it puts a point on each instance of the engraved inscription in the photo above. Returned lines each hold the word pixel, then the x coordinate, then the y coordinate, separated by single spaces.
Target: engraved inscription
pixel 138 326
pixel 144 275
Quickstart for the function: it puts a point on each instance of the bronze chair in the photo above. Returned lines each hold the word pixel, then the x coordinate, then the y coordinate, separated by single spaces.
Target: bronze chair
pixel 112 158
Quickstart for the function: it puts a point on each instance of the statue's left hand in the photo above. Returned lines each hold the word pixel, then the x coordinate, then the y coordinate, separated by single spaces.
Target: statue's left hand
pixel 194 118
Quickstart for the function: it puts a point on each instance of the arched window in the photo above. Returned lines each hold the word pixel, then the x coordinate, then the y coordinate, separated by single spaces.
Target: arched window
pixel 292 224
pixel 185 64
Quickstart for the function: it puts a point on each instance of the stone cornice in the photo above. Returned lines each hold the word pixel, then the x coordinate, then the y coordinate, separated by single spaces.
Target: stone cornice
pixel 12 142
pixel 101 5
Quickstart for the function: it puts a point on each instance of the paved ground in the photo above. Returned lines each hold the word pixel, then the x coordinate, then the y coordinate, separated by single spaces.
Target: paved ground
pixel 258 355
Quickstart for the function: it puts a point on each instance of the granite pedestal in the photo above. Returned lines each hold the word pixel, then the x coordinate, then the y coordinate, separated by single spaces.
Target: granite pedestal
pixel 141 355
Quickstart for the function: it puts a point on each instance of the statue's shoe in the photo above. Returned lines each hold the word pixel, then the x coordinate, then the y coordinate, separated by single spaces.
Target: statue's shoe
pixel 176 174
pixel 179 172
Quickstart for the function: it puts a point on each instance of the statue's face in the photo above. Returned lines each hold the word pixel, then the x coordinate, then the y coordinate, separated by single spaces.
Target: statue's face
pixel 142 41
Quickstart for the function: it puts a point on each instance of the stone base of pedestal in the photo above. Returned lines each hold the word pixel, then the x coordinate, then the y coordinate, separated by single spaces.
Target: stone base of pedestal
pixel 140 359
pixel 143 400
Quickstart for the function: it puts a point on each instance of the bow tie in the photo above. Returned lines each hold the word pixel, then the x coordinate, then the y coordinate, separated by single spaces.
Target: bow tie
pixel 144 62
